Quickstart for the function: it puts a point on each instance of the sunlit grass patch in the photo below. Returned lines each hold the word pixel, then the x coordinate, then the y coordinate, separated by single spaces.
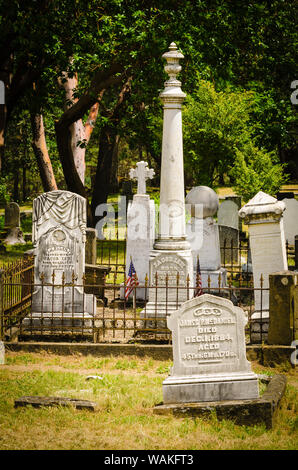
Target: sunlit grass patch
pixel 126 393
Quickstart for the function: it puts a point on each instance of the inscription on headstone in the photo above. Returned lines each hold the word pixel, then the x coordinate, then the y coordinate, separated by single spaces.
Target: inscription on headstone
pixel 209 353
pixel 59 236
pixel 168 270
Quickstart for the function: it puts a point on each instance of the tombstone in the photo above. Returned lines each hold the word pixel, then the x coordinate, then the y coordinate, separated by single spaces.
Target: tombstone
pixel 2 353
pixel 171 252
pixel 290 217
pixel 209 353
pixel 229 243
pixel 14 234
pixel 140 228
pixel 59 237
pixel 238 201
pixel 12 215
pixel 264 216
pixel 228 214
pixel 203 236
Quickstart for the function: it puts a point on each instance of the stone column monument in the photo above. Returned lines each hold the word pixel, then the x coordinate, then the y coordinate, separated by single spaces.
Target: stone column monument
pixel 171 253
pixel 264 216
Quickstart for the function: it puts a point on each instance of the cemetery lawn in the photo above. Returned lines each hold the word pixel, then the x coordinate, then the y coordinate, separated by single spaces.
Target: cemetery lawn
pixel 126 392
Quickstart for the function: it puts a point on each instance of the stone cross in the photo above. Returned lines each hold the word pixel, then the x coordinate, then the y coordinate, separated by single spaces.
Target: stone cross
pixel 141 174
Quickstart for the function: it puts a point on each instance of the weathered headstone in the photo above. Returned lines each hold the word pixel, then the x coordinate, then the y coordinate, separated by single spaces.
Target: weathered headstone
pixel 290 220
pixel 209 353
pixel 238 202
pixel 12 215
pixel 2 353
pixel 203 236
pixel 12 225
pixel 264 216
pixel 228 214
pixel 283 308
pixel 140 228
pixel 59 237
pixel 229 244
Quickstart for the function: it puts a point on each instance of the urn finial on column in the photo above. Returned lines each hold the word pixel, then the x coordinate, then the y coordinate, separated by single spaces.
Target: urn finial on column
pixel 172 68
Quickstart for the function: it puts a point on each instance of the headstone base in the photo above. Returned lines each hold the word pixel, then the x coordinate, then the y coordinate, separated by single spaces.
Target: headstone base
pixel 82 322
pixel 194 389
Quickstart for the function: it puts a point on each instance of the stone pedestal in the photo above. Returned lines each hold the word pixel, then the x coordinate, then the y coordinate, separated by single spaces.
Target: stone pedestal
pixel 209 353
pixel 283 308
pixel 264 216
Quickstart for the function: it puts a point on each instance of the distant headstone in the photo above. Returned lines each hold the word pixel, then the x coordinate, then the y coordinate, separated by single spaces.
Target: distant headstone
pixel 229 242
pixel 12 215
pixel 12 225
pixel 238 201
pixel 228 214
pixel 59 237
pixel 203 236
pixel 209 353
pixel 140 228
pixel 2 353
pixel 291 220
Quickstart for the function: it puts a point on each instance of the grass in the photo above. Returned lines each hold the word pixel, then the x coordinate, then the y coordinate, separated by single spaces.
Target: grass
pixel 127 391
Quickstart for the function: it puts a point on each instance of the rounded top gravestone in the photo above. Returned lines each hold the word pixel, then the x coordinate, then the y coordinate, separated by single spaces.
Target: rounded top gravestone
pixel 202 198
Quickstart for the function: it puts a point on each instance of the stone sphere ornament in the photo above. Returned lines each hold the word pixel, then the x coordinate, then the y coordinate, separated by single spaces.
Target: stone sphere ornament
pixel 204 202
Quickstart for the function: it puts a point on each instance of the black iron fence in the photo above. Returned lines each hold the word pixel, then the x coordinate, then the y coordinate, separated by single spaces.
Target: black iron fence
pixel 67 311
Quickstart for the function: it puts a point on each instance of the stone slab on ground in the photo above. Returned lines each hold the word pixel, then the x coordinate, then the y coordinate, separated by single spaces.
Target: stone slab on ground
pixel 242 412
pixel 38 402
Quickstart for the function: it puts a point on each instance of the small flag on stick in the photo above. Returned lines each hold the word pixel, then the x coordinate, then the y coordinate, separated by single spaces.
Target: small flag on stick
pixel 131 281
pixel 198 290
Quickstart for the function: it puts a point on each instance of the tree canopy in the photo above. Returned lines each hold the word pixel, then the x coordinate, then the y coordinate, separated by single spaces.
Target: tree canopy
pixel 240 60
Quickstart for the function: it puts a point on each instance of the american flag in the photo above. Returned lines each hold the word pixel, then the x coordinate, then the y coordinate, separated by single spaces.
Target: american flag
pixel 198 290
pixel 131 281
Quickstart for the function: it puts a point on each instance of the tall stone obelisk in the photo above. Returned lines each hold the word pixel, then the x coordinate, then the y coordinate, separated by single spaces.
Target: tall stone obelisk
pixel 171 254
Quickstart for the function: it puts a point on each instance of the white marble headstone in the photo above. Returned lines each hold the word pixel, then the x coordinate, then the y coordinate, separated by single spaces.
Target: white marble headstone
pixel 59 237
pixel 210 364
pixel 291 220
pixel 228 214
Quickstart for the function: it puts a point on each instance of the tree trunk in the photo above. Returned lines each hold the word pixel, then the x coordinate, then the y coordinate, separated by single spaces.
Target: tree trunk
pixel 24 183
pixel 108 147
pixel 41 153
pixel 16 192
